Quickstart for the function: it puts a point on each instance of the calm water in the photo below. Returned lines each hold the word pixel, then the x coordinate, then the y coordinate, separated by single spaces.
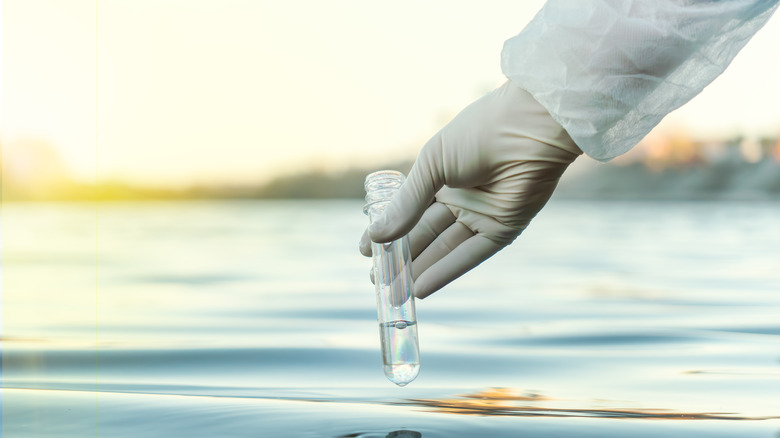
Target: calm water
pixel 257 319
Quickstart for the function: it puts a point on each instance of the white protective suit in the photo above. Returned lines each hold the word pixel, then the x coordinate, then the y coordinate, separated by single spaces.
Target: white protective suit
pixel 609 70
pixel 591 76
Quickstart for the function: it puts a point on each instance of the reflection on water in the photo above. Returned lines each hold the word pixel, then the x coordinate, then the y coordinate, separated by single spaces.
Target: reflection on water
pixel 393 434
pixel 404 434
pixel 257 319
pixel 503 402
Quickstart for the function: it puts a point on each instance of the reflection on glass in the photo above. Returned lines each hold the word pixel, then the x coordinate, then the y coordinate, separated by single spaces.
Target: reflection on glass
pixel 394 286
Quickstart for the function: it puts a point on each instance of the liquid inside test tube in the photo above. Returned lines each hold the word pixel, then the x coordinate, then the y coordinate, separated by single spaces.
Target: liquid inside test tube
pixel 400 352
pixel 394 287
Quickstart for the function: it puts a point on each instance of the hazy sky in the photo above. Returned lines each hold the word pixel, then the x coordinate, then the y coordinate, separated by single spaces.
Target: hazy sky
pixel 183 91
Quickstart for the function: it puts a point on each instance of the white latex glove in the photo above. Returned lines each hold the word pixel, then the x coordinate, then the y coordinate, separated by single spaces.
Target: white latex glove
pixel 475 186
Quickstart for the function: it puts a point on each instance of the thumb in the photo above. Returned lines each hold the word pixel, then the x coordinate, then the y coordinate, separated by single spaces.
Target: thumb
pixel 413 197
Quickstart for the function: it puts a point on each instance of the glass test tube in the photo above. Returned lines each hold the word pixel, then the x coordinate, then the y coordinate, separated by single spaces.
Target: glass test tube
pixel 394 286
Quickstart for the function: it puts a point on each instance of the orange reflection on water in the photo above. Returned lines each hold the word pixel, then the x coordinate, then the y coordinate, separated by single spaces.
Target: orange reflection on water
pixel 507 402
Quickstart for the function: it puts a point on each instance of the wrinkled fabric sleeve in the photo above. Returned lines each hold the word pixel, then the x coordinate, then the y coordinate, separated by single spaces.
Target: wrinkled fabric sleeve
pixel 609 70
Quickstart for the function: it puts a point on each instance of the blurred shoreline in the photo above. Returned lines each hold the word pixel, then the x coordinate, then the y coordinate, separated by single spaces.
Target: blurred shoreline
pixel 661 168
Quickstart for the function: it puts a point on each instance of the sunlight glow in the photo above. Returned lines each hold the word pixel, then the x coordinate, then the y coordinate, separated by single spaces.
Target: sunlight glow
pixel 239 92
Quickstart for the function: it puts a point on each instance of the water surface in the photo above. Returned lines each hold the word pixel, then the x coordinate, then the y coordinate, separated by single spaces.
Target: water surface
pixel 257 319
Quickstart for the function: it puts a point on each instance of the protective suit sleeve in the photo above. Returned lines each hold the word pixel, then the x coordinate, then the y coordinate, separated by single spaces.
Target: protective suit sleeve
pixel 609 70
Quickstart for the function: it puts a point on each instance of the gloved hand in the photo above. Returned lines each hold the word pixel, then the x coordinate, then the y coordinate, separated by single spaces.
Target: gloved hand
pixel 475 186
